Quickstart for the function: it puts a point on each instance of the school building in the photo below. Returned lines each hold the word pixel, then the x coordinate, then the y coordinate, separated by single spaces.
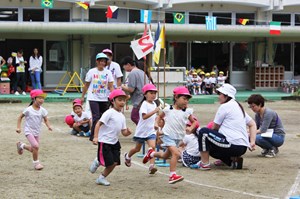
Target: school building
pixel 69 36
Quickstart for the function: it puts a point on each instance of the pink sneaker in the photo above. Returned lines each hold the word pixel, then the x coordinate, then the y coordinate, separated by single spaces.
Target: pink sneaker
pixel 175 178
pixel 38 166
pixel 219 163
pixel 147 156
pixel 19 149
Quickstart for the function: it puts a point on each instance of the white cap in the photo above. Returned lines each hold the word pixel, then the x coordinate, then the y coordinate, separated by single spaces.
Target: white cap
pixel 227 89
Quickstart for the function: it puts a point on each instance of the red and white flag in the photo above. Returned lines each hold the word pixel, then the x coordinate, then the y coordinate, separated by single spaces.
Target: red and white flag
pixel 143 46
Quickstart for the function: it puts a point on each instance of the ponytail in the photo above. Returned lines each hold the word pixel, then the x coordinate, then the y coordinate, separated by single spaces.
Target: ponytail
pixel 229 98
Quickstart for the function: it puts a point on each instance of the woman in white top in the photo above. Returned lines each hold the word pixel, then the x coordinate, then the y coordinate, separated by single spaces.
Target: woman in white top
pixel 35 69
pixel 228 139
pixel 98 85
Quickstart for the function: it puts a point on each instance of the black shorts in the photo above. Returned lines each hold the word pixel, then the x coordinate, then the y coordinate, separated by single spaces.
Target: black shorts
pixel 109 154
pixel 85 128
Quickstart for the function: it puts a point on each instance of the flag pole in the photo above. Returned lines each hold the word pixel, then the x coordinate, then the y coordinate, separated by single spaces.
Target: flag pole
pixel 164 62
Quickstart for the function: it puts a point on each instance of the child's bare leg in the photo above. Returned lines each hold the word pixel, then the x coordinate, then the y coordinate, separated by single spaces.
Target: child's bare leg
pixel 134 150
pixel 108 170
pixel 151 144
pixel 175 156
pixel 163 155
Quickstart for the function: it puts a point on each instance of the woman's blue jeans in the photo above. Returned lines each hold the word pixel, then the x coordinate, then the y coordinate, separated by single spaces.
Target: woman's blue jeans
pixel 36 79
pixel 268 143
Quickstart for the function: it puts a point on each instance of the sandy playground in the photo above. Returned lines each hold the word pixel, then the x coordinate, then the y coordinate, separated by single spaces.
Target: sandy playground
pixel 67 158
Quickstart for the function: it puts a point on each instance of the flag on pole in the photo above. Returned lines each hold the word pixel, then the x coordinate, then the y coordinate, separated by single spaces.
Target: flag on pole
pixel 243 21
pixel 47 3
pixel 275 28
pixel 146 16
pixel 211 23
pixel 142 46
pixel 160 43
pixel 156 35
pixel 144 34
pixel 179 18
pixel 112 12
pixel 84 5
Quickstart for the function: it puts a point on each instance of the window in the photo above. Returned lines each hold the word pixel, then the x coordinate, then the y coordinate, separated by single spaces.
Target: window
pixel 297 19
pixel 177 54
pixel 197 17
pixel 33 15
pixel 223 18
pixel 8 14
pixel 285 19
pixel 282 55
pixel 242 56
pixel 57 58
pixel 134 16
pixel 59 15
pixel 97 15
pixel 250 16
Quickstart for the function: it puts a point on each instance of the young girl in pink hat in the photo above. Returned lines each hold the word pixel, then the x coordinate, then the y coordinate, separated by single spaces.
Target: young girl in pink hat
pixel 176 118
pixel 107 131
pixel 34 115
pixel 145 128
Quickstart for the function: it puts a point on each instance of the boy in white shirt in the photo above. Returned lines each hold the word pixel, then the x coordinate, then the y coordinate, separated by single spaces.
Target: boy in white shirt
pixel 82 120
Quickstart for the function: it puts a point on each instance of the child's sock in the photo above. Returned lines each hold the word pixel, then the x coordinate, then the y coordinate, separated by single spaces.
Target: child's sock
pixel 127 157
pixel 152 154
pixel 172 172
pixel 22 146
pixel 101 176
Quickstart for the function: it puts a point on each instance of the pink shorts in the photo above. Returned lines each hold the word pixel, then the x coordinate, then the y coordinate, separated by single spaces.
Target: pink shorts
pixel 33 140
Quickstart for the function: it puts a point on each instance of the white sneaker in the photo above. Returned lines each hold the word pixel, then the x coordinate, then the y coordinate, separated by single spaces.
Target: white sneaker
pixel 94 166
pixel 17 93
pixel 23 93
pixel 102 181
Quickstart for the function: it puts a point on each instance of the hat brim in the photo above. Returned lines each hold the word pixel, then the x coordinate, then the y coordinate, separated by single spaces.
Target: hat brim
pixel 225 93
pixel 43 95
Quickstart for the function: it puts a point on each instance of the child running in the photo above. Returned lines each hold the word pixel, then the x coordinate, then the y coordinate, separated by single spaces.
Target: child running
pixel 176 118
pixel 107 130
pixel 145 128
pixel 34 114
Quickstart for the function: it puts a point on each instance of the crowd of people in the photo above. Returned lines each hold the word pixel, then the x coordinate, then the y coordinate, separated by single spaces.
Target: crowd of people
pixel 18 69
pixel 175 128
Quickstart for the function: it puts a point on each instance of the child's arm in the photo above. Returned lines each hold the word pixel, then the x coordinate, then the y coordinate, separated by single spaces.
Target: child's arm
pixel 126 132
pixel 47 123
pixel 159 117
pixel 84 121
pixel 96 132
pixel 190 129
pixel 18 130
pixel 146 116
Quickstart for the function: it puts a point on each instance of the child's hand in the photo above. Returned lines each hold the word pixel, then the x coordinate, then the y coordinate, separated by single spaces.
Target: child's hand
pixel 18 130
pixel 157 109
pixel 95 140
pixel 50 128
pixel 156 127
pixel 129 131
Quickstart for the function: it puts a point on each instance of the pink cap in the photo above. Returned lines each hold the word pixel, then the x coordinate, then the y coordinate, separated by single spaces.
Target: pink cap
pixel 197 123
pixel 181 90
pixel 69 120
pixel 77 101
pixel 37 93
pixel 149 87
pixel 77 104
pixel 107 51
pixel 210 125
pixel 116 93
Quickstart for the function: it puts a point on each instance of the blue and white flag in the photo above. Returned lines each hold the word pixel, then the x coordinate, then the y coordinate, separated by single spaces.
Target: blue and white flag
pixel 211 23
pixel 146 16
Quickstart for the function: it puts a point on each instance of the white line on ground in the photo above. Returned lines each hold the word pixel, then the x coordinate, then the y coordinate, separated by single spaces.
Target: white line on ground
pixel 294 187
pixel 210 186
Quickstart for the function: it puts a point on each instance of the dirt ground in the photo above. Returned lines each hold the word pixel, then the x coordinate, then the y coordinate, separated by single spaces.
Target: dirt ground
pixel 67 158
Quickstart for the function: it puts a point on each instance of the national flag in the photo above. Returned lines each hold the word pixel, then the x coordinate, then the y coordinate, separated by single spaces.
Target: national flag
pixel 84 5
pixel 243 21
pixel 144 34
pixel 47 3
pixel 211 23
pixel 146 16
pixel 275 28
pixel 156 35
pixel 160 43
pixel 142 46
pixel 112 12
pixel 179 18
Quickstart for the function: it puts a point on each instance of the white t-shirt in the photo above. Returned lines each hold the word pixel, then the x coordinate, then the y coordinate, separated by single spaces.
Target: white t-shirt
pixel 145 128
pixel 232 123
pixel 175 122
pixel 207 81
pixel 192 144
pixel 35 63
pixel 113 122
pixel 115 70
pixel 33 120
pixel 98 89
pixel 213 80
pixel 221 80
pixel 84 116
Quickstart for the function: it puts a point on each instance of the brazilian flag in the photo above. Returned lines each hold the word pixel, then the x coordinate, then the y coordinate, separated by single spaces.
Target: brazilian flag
pixel 179 18
pixel 47 3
